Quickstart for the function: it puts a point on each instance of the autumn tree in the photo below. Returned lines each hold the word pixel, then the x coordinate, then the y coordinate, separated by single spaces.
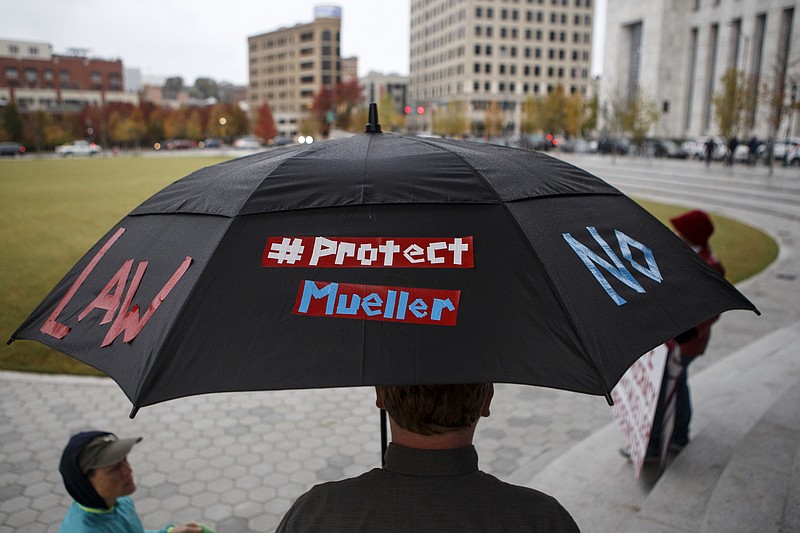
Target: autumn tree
pixel 451 121
pixel 493 120
pixel 347 96
pixel 335 106
pixel 731 102
pixel 553 114
pixel 11 123
pixel 322 108
pixel 265 123
pixel 388 116
pixel 640 114
pixel 531 115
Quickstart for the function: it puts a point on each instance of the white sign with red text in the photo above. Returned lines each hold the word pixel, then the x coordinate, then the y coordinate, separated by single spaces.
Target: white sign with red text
pixel 635 399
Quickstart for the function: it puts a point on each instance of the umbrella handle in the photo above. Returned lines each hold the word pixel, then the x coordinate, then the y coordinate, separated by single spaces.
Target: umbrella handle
pixel 383 437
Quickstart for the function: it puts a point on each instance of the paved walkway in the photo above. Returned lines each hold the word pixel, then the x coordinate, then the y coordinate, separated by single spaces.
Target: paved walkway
pixel 237 461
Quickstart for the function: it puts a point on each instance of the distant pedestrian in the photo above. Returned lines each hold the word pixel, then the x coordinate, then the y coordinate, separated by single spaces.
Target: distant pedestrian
pixel 732 145
pixel 752 146
pixel 709 148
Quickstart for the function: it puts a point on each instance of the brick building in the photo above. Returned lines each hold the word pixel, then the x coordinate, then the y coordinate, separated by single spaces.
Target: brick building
pixel 34 78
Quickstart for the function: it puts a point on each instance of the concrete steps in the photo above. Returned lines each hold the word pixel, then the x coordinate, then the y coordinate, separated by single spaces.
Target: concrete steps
pixel 739 473
pixel 760 486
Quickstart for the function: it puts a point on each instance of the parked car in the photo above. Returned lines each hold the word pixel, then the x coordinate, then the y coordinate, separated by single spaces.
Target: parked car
pixel 614 145
pixel 697 149
pixel 793 157
pixel 78 148
pixel 249 143
pixel 741 154
pixel 666 148
pixel 212 142
pixel 578 146
pixel 11 149
pixel 781 148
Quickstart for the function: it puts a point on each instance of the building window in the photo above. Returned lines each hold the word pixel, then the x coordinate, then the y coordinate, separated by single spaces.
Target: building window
pixel 12 73
pixel 97 77
pixel 63 75
pixel 477 31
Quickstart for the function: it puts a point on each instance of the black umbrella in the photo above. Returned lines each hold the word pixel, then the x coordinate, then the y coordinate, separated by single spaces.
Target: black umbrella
pixel 378 259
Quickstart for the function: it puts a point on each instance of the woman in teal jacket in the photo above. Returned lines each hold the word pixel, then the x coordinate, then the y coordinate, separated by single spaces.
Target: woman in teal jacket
pixel 99 478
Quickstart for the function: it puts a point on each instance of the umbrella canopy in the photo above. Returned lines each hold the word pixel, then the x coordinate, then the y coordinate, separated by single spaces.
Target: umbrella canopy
pixel 379 259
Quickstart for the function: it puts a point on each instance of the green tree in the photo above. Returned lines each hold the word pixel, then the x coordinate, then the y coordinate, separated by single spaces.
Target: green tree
pixel 11 123
pixel 172 86
pixel 730 103
pixel 206 88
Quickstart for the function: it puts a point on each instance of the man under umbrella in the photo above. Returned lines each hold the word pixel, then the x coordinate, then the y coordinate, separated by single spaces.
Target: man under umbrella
pixel 430 481
pixel 97 475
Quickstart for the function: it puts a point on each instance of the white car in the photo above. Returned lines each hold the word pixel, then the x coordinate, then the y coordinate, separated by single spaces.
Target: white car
pixel 78 148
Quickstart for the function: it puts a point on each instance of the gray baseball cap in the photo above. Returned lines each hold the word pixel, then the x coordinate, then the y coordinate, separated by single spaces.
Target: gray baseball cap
pixel 105 450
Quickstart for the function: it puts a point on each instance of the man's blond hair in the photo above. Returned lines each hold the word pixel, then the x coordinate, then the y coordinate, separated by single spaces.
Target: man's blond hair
pixel 435 409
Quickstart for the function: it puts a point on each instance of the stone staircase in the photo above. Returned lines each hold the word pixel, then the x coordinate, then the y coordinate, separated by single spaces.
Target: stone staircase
pixel 740 473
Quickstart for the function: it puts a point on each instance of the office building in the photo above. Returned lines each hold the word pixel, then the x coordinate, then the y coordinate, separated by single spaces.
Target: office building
pixel 375 85
pixel 289 66
pixel 503 51
pixel 677 53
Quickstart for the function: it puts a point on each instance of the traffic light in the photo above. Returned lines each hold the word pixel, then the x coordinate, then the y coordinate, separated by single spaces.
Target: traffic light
pixel 420 110
pixel 407 109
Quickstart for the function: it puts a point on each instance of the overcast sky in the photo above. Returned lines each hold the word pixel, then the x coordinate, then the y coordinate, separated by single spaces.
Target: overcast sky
pixel 205 38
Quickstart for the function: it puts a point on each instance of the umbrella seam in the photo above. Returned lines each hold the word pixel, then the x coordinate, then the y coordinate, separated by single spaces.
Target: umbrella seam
pixel 601 374
pixel 151 364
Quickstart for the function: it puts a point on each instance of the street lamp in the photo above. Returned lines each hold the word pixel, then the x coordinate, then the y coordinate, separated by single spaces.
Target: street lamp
pixel 222 122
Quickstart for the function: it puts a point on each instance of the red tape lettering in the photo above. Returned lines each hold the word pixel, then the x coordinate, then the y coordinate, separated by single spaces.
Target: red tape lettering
pixel 374 302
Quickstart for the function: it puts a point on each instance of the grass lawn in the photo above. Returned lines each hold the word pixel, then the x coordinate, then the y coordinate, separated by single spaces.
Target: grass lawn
pixel 53 211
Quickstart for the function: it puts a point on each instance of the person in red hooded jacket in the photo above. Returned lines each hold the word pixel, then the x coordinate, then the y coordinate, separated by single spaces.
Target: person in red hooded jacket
pixel 695 228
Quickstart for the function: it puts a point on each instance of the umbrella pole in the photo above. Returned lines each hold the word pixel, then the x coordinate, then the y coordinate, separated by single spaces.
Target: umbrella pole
pixel 384 437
